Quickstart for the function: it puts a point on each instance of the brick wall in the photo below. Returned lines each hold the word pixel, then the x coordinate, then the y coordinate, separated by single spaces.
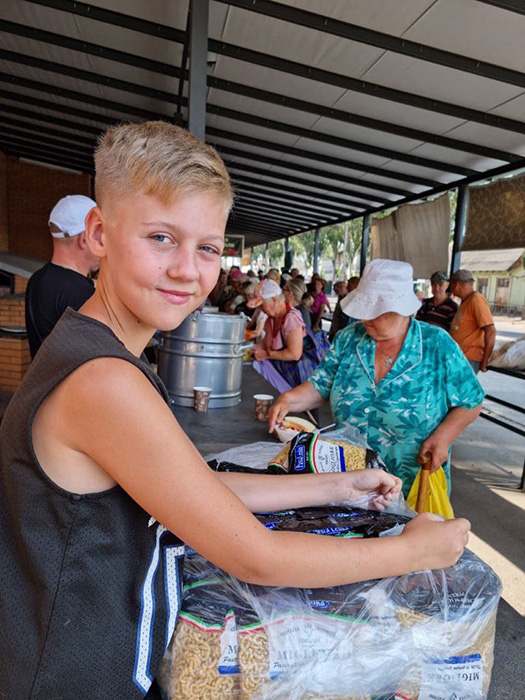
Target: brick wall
pixel 14 361
pixel 4 220
pixel 32 191
pixel 12 311
pixel 20 284
pixel 14 350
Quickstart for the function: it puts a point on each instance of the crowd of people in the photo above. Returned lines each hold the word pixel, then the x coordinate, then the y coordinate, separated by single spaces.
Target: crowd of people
pixel 285 317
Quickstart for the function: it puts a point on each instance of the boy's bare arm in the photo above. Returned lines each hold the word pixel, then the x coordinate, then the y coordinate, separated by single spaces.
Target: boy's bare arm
pixel 268 492
pixel 111 412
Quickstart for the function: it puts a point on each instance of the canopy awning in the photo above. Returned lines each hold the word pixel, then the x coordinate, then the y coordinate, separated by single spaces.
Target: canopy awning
pixel 320 118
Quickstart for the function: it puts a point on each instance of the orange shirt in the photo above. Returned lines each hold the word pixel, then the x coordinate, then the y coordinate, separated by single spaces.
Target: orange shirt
pixel 473 314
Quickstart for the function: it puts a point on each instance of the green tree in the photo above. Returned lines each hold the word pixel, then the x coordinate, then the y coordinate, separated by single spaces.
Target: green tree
pixel 276 253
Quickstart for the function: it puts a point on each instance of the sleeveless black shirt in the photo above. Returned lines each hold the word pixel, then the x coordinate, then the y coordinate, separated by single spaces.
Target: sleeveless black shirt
pixel 90 586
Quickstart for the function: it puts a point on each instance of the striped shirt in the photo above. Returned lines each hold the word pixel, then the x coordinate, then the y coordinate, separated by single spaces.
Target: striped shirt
pixel 438 315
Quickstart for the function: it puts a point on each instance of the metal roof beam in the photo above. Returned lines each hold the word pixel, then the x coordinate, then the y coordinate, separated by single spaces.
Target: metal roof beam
pixel 43 155
pixel 380 40
pixel 105 52
pixel 319 136
pixel 286 66
pixel 59 149
pixel 78 96
pixel 146 114
pixel 267 214
pixel 163 68
pixel 283 201
pixel 88 76
pixel 51 137
pixel 286 198
pixel 283 190
pixel 359 120
pixel 268 222
pixel 351 203
pixel 51 120
pixel 43 131
pixel 510 5
pixel 290 165
pixel 134 89
pixel 257 225
pixel 272 213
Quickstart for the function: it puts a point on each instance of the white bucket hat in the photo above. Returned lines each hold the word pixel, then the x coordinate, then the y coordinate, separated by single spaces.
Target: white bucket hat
pixel 386 285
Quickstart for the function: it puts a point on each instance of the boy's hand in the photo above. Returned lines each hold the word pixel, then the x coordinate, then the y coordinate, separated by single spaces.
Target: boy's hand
pixel 434 542
pixel 381 488
pixel 278 412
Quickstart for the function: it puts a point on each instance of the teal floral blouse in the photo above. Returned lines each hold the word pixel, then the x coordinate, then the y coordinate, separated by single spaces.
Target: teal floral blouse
pixel 429 378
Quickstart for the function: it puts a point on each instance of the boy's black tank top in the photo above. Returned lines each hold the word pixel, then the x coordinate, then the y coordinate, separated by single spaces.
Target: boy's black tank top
pixel 90 588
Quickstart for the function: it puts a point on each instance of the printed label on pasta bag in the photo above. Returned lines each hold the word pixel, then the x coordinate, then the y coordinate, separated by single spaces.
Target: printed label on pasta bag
pixel 328 458
pixel 229 659
pixel 457 678
pixel 297 641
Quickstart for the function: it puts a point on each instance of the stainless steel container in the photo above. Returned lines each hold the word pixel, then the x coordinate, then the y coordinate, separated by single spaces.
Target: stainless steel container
pixel 205 350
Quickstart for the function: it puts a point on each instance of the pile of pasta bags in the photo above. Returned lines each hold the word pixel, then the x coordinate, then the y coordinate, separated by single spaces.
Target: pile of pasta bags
pixel 422 636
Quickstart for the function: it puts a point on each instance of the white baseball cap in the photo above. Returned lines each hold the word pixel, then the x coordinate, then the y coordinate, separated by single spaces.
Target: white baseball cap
pixel 386 285
pixel 69 214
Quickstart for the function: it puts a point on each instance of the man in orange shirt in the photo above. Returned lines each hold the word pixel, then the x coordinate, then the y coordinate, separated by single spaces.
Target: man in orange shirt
pixel 472 326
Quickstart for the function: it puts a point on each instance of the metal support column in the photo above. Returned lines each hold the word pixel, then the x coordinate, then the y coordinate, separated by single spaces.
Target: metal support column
pixel 460 227
pixel 288 255
pixel 365 236
pixel 198 46
pixel 316 250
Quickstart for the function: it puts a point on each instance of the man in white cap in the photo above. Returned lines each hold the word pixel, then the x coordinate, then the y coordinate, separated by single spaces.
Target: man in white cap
pixel 64 280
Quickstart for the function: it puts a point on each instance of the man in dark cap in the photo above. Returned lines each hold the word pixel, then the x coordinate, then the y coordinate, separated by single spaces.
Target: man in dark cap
pixel 439 309
pixel 473 326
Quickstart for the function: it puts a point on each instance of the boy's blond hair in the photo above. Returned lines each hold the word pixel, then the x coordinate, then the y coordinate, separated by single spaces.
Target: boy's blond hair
pixel 159 159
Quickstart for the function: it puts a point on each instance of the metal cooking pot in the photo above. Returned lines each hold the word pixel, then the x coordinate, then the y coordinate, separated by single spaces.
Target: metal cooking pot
pixel 205 350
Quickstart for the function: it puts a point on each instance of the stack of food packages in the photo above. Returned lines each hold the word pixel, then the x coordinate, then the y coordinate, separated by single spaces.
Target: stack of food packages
pixel 422 636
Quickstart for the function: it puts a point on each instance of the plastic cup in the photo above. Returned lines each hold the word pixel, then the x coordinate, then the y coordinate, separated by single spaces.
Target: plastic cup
pixel 262 406
pixel 201 398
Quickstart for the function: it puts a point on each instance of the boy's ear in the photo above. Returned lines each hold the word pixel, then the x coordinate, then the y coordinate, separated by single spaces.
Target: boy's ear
pixel 95 232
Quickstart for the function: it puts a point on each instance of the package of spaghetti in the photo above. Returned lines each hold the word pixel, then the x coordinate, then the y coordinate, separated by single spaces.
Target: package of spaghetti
pixel 340 450
pixel 422 636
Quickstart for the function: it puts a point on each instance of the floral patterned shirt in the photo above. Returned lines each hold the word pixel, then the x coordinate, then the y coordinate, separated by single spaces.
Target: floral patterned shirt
pixel 429 377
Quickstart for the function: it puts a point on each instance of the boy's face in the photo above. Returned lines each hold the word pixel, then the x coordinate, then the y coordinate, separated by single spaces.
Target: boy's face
pixel 162 260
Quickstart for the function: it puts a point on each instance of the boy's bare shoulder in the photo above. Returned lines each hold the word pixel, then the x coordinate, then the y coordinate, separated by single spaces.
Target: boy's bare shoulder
pixel 109 380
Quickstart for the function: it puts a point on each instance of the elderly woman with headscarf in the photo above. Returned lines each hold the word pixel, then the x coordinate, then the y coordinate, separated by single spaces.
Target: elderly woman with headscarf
pixel 289 352
pixel 404 384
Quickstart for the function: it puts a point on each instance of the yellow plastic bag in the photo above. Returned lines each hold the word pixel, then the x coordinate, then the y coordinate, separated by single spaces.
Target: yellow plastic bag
pixel 437 500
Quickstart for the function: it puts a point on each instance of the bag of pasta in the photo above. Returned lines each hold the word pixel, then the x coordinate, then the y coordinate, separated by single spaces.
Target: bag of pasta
pixel 340 450
pixel 423 636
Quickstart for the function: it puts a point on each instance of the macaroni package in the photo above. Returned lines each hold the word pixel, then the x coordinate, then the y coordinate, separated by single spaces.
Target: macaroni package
pixel 422 636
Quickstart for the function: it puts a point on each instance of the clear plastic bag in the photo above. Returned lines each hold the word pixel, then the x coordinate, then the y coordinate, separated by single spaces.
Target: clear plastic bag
pixel 422 636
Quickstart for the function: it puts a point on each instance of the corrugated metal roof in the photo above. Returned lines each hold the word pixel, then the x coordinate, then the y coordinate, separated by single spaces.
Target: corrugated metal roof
pixel 320 118
pixel 491 260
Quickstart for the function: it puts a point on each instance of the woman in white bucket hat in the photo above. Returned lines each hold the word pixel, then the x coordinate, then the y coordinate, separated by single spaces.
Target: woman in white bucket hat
pixel 402 383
